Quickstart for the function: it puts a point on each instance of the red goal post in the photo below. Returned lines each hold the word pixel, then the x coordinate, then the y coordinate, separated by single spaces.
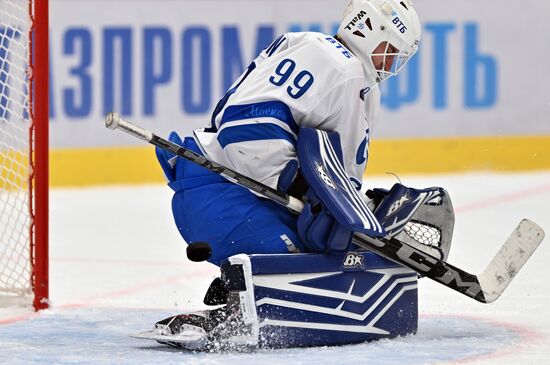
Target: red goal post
pixel 40 83
pixel 24 119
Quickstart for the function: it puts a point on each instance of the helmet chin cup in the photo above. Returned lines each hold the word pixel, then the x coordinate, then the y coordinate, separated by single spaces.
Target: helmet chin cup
pixel 368 24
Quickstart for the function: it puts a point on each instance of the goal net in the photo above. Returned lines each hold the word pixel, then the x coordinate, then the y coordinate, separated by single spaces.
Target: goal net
pixel 23 152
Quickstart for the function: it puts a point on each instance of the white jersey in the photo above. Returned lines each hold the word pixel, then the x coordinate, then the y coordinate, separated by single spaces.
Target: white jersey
pixel 301 80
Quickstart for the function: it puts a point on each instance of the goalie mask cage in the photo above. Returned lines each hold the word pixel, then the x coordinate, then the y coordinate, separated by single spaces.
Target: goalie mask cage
pixel 24 153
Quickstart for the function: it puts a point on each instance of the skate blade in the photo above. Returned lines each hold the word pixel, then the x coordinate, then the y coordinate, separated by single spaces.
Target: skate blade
pixel 187 340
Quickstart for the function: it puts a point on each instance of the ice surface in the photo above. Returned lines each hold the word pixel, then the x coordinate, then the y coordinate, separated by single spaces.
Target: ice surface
pixel 100 336
pixel 118 265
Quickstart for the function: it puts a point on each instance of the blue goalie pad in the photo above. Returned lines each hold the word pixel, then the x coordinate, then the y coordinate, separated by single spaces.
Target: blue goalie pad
pixel 320 156
pixel 302 300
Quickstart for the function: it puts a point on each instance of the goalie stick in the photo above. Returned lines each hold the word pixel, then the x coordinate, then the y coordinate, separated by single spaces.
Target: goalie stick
pixel 485 287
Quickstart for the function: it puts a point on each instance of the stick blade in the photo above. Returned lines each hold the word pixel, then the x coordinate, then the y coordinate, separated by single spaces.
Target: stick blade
pixel 515 252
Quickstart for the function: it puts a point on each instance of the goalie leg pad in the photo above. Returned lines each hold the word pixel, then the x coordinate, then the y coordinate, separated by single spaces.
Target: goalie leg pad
pixel 305 300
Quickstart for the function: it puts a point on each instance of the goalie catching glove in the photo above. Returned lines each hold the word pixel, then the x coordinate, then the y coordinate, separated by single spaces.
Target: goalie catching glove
pixel 400 204
pixel 422 218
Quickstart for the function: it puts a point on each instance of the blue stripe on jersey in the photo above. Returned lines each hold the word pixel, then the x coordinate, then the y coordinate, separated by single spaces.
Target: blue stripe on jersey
pixel 276 45
pixel 268 49
pixel 223 101
pixel 361 152
pixel 267 109
pixel 358 184
pixel 253 132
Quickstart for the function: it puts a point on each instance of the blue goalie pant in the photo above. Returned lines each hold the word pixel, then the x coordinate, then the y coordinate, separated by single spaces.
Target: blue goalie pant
pixel 230 218
pixel 304 300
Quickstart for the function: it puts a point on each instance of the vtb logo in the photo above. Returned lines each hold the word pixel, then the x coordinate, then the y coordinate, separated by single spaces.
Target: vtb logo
pixel 353 260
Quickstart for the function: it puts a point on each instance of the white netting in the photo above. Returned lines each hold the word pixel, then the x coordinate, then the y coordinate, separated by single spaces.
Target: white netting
pixel 423 233
pixel 15 220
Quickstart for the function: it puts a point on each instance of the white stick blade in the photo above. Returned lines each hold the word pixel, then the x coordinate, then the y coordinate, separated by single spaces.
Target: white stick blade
pixel 515 252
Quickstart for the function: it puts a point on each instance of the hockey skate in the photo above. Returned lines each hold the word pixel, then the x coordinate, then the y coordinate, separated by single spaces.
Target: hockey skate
pixel 190 331
pixel 183 330
pixel 215 329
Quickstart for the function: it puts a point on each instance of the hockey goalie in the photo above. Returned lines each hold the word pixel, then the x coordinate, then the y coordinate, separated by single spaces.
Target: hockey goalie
pixel 298 120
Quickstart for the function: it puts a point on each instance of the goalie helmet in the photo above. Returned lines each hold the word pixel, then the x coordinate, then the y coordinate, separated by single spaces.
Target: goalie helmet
pixel 383 34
